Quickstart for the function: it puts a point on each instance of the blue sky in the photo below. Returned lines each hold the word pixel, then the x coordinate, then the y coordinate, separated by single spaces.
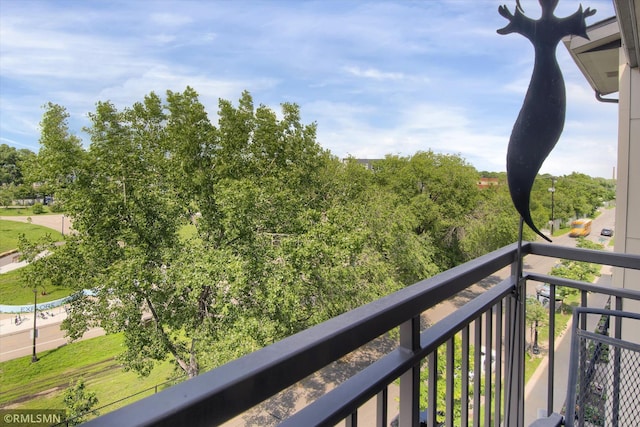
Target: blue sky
pixel 378 77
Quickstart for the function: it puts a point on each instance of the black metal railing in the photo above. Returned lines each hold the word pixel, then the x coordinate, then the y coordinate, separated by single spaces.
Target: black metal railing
pixel 480 369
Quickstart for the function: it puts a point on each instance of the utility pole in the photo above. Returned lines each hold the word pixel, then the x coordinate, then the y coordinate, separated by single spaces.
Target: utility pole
pixel 552 190
pixel 34 358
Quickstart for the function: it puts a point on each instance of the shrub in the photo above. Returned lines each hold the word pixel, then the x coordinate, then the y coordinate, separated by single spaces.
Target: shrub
pixel 38 208
pixel 56 207
pixel 79 402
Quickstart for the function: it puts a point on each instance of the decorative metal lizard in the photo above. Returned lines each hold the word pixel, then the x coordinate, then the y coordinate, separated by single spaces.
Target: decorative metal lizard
pixel 541 119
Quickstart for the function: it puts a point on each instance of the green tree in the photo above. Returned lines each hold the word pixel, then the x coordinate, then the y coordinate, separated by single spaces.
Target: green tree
pixel 286 235
pixel 60 157
pixel 79 402
pixel 576 195
pixel 583 243
pixel 537 316
pixel 577 270
pixel 12 170
pixel 126 212
pixel 7 194
pixel 493 224
pixel 441 190
pixel 11 164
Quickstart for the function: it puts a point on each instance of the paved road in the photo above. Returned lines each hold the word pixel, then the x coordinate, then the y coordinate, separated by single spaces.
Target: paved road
pixel 19 343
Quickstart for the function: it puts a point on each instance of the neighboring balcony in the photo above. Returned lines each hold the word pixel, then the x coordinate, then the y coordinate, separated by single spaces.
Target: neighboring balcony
pixel 453 353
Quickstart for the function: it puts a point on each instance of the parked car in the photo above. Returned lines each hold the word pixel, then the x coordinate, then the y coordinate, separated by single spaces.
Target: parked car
pixel 543 294
pixel 607 232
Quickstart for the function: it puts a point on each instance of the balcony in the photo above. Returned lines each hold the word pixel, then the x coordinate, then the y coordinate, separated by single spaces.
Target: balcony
pixel 489 322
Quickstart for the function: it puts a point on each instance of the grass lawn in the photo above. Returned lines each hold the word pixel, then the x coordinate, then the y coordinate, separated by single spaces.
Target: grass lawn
pixel 41 385
pixel 15 291
pixel 10 230
pixel 561 231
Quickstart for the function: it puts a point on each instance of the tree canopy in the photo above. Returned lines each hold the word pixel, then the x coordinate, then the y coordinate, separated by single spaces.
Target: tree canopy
pixel 13 163
pixel 286 234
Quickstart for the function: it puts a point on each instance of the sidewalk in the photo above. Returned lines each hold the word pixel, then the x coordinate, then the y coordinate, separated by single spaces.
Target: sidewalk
pixel 8 263
pixel 9 327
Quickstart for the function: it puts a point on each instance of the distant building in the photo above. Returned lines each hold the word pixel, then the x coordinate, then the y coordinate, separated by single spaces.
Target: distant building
pixel 367 163
pixel 487 182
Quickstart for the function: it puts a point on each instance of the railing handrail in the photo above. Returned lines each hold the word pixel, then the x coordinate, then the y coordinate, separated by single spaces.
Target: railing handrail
pixel 247 381
pixel 614 259
pixel 364 385
pixel 584 286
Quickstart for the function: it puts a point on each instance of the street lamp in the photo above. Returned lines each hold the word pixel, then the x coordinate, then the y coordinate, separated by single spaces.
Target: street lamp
pixel 552 190
pixel 536 347
pixel 34 357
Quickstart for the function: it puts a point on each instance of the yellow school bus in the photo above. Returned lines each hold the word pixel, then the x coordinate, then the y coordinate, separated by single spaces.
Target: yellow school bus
pixel 580 228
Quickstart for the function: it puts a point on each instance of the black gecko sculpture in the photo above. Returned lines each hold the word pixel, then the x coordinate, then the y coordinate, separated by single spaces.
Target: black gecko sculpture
pixel 541 119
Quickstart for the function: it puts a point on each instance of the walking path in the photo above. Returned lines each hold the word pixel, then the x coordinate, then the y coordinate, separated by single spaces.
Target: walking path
pixel 8 325
pixel 10 262
pixel 57 222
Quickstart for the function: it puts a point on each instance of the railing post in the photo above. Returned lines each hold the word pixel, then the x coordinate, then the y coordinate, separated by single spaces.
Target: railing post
pixel 464 416
pixel 477 370
pixel 410 380
pixel 514 387
pixel 432 389
pixel 382 407
pixel 551 370
pixel 351 420
pixel 499 369
pixel 617 333
pixel 450 383
pixel 488 363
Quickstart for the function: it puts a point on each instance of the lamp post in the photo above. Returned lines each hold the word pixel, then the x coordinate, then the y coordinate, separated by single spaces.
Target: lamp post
pixel 34 358
pixel 552 190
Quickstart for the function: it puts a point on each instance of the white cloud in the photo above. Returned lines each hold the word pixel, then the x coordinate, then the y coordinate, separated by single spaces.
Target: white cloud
pixel 372 73
pixel 378 78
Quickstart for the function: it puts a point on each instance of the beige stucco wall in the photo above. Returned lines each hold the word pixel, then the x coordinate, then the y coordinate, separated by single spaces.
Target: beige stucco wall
pixel 627 239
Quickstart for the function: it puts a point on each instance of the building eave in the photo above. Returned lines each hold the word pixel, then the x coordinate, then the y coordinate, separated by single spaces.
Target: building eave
pixel 599 56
